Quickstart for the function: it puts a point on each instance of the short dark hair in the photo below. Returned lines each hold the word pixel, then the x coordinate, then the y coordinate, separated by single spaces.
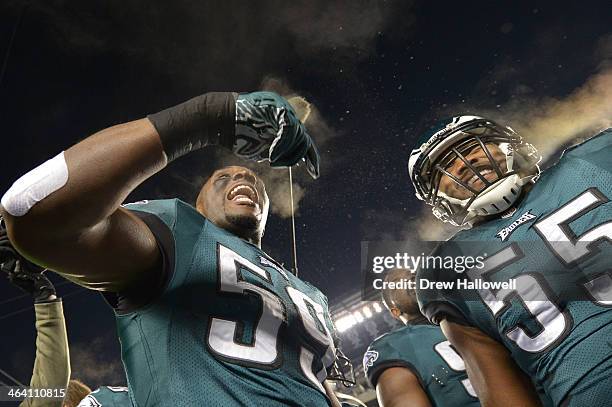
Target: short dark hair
pixel 402 299
pixel 75 392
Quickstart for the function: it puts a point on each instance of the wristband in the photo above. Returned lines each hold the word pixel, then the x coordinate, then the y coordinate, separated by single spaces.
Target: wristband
pixel 208 119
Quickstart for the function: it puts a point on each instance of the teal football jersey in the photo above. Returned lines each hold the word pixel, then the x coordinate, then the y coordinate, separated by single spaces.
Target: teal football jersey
pixel 107 396
pixel 231 328
pixel 424 350
pixel 554 254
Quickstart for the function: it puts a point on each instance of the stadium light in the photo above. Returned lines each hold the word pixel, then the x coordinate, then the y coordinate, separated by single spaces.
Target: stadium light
pixel 358 316
pixel 348 318
pixel 345 322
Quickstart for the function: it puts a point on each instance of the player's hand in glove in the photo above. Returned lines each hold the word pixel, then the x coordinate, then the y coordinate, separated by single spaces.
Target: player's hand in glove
pixel 22 273
pixel 267 128
pixel 257 126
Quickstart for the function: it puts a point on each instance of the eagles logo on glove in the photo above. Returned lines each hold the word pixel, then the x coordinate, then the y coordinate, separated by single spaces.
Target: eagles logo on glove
pixel 267 128
pixel 22 273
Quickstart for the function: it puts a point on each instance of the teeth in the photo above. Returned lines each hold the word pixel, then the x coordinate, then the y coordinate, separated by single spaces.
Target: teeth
pixel 483 172
pixel 242 198
pixel 242 190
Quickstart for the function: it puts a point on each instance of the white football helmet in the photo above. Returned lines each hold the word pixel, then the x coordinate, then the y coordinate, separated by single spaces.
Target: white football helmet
pixel 454 139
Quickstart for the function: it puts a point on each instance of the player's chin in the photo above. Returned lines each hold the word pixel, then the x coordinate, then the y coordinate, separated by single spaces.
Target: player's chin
pixel 244 223
pixel 244 217
pixel 243 209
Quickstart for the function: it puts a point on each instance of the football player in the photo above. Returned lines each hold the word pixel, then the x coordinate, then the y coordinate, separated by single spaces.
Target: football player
pixel 415 365
pixel 545 240
pixel 52 363
pixel 204 315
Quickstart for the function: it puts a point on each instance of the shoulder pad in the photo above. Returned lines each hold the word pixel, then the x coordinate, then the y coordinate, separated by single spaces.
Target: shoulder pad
pixel 600 141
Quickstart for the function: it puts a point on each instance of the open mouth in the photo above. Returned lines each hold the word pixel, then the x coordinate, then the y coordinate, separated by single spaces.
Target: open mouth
pixel 243 194
pixel 486 172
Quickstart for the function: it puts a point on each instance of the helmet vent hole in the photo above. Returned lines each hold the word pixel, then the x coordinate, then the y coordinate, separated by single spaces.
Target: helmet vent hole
pixel 507 200
pixel 484 211
pixel 513 191
pixel 495 206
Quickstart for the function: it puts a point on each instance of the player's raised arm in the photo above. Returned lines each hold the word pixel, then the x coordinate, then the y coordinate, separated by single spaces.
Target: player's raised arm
pixel 498 381
pixel 52 363
pixel 66 215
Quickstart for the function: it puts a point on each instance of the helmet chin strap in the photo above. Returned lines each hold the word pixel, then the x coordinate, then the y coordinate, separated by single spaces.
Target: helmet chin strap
pixel 498 197
pixel 503 194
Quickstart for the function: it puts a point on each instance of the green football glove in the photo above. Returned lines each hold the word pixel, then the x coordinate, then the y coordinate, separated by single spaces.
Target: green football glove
pixel 267 128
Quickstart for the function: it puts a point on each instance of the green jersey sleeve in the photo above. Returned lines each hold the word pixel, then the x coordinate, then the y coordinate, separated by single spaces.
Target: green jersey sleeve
pixel 386 352
pixel 424 351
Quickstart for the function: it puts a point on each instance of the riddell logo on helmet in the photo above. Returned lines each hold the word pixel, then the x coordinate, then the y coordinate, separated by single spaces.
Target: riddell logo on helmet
pixel 505 233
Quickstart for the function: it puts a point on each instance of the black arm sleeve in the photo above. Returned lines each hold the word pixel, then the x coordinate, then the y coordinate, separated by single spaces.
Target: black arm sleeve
pixel 208 119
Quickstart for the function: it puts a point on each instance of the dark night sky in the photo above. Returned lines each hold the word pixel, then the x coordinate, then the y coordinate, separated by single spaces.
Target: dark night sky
pixel 376 72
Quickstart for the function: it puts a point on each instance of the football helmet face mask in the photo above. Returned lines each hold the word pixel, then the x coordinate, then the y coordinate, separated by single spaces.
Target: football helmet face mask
pixel 500 182
pixel 342 370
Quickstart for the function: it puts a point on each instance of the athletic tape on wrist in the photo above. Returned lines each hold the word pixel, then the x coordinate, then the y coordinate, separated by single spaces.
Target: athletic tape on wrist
pixel 36 185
